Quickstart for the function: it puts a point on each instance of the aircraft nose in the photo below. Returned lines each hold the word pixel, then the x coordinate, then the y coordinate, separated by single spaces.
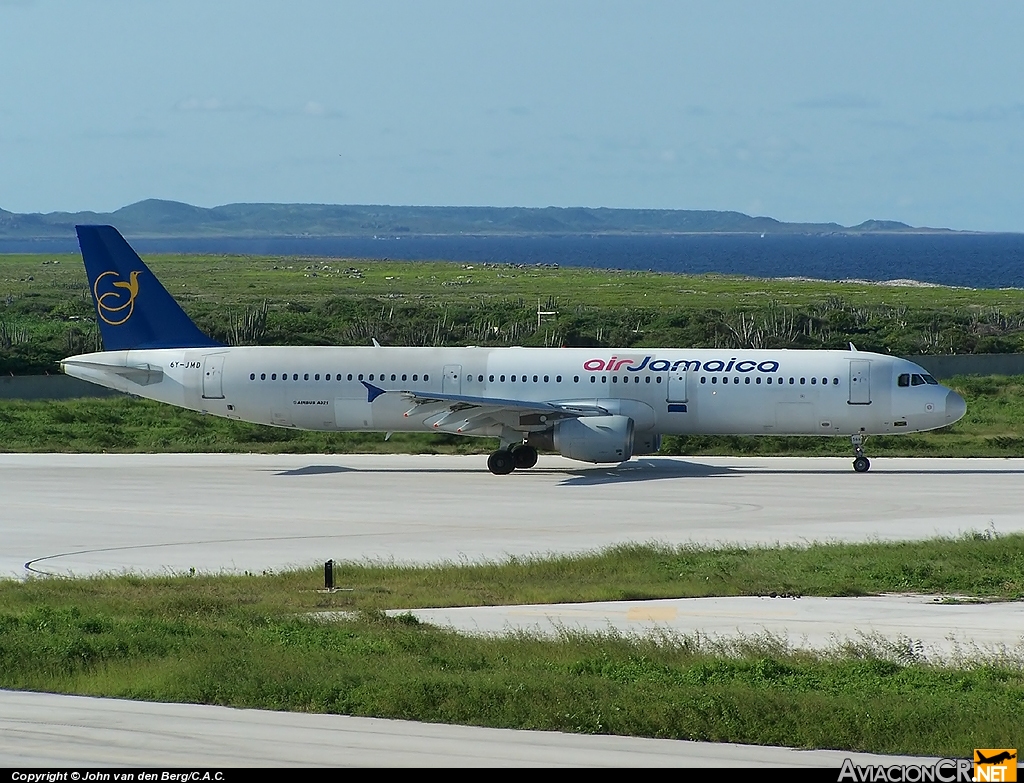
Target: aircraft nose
pixel 956 407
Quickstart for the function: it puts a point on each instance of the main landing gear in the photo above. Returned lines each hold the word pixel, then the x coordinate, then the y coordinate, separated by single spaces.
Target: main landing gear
pixel 505 460
pixel 861 464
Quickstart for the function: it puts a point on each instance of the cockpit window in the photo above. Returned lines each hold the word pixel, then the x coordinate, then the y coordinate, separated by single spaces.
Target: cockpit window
pixel 916 380
pixel 903 380
pixel 930 380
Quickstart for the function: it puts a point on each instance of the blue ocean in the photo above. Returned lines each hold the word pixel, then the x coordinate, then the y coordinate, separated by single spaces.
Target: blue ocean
pixel 957 259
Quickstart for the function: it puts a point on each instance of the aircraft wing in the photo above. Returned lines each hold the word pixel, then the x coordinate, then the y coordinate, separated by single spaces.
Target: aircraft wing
pixel 475 412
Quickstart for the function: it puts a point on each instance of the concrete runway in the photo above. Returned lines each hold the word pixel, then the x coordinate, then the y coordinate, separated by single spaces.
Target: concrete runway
pixel 90 514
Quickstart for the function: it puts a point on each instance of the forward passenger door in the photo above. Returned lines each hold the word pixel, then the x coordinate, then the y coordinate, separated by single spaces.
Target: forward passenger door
pixel 860 382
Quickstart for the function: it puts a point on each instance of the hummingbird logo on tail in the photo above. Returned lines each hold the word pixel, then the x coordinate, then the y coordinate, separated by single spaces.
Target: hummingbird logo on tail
pixel 115 307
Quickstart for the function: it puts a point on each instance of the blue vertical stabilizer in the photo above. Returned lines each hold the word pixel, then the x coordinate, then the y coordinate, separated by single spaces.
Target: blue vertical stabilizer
pixel 132 309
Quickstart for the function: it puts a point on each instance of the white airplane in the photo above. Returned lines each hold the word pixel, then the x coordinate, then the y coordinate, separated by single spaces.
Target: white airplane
pixel 593 405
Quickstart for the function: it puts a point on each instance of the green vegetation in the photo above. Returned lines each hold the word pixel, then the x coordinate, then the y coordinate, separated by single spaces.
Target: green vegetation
pixel 251 641
pixel 46 311
pixel 992 428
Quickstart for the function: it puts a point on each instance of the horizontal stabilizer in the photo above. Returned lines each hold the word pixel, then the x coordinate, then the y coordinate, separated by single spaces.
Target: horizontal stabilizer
pixel 142 375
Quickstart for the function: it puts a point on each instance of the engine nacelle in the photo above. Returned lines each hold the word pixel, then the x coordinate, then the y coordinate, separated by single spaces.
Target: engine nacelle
pixel 594 438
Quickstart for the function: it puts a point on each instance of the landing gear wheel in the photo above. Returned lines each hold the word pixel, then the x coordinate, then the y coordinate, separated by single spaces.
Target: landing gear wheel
pixel 860 463
pixel 501 463
pixel 525 456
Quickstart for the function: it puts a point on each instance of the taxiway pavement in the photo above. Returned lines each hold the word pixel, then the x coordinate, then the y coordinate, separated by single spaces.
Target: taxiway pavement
pixel 907 627
pixel 47 730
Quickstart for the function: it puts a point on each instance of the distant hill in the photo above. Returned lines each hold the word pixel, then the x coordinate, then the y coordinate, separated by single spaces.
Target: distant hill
pixel 157 218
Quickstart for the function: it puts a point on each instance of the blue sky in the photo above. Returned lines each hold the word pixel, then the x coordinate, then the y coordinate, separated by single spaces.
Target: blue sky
pixel 805 111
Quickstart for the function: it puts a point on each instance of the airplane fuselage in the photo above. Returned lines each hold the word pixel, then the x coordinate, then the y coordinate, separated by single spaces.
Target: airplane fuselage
pixel 663 391
pixel 593 405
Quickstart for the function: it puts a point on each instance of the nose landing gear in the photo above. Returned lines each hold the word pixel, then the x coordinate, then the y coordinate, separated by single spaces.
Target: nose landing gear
pixel 861 464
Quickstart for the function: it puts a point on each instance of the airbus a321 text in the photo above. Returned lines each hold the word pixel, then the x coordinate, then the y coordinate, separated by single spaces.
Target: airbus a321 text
pixel 594 405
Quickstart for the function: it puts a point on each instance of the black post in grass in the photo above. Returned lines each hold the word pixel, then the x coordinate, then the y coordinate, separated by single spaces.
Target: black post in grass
pixel 329 575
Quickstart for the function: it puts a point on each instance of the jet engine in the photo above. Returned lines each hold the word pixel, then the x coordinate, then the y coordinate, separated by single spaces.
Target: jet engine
pixel 589 438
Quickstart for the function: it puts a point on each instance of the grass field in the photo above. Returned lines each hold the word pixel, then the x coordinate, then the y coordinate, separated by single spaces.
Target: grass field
pixel 248 641
pixel 242 280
